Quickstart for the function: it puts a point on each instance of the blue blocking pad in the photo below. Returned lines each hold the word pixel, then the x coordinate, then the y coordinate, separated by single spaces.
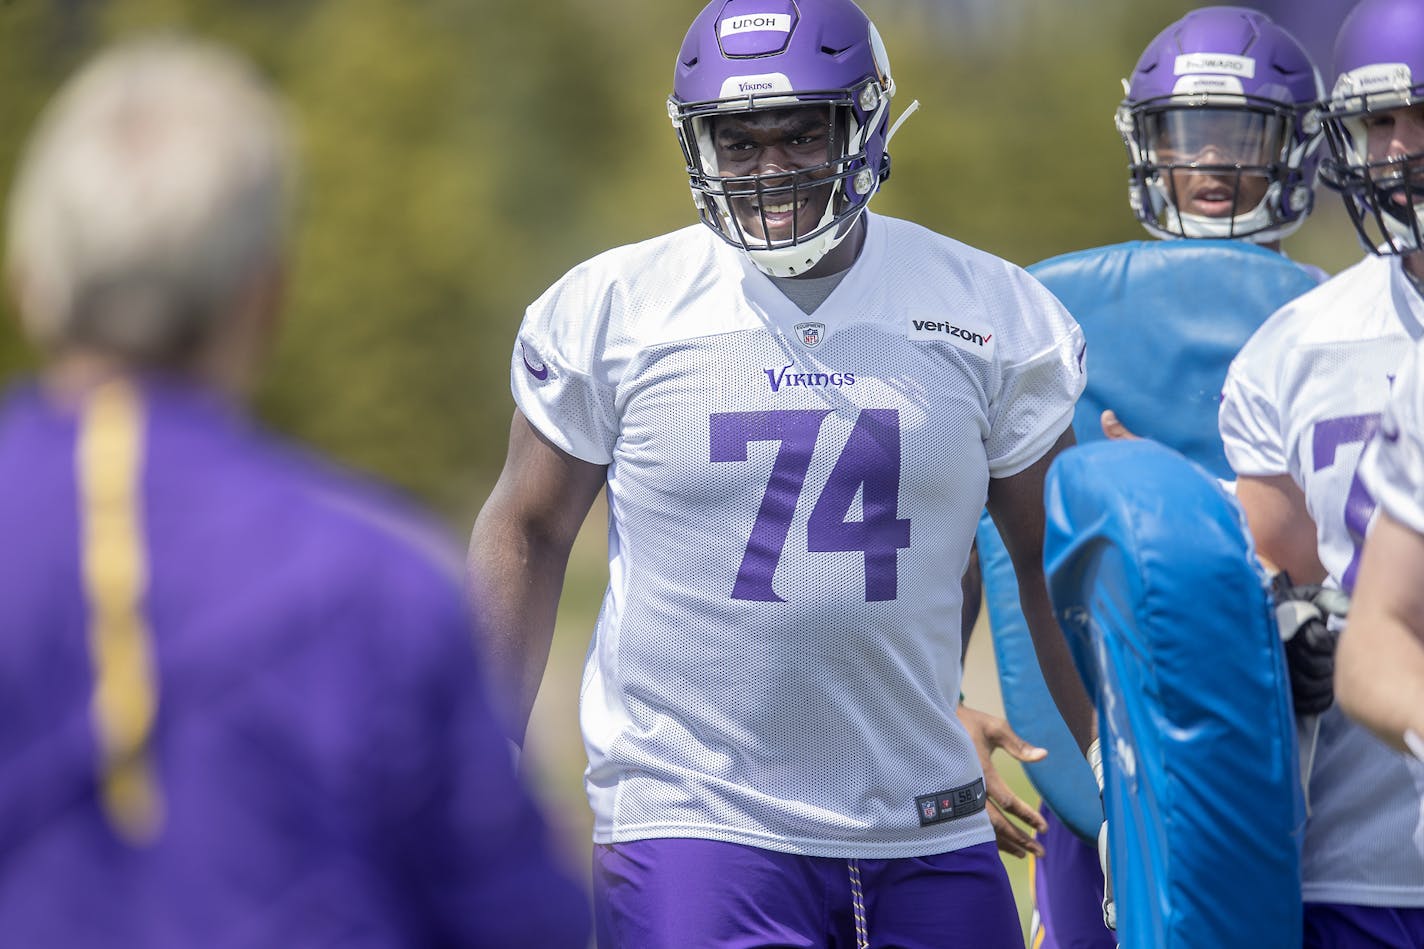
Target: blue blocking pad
pixel 1063 779
pixel 1163 320
pixel 1152 576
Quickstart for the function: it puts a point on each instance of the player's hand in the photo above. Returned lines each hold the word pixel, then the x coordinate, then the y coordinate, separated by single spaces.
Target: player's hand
pixel 1114 429
pixel 988 733
pixel 1302 613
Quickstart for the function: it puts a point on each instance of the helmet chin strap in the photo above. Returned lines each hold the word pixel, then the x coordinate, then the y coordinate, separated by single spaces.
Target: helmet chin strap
pixel 1398 229
pixel 909 111
pixel 1398 237
pixel 1199 225
pixel 1255 221
pixel 795 259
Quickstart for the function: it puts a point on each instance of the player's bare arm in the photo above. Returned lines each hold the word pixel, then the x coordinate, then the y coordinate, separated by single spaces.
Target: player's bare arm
pixel 991 733
pixel 1381 657
pixel 1016 505
pixel 1281 525
pixel 520 549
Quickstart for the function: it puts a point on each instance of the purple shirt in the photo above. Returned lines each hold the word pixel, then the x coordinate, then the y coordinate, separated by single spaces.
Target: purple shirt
pixel 330 770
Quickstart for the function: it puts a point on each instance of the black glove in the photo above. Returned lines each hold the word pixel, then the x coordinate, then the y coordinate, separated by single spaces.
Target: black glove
pixel 1301 614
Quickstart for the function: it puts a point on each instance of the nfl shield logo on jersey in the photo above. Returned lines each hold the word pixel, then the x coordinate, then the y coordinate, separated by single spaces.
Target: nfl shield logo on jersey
pixel 810 333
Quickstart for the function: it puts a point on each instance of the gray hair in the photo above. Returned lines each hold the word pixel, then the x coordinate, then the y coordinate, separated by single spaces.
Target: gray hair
pixel 154 189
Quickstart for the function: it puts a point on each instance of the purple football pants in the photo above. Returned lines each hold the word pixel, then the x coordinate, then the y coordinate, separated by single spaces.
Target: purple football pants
pixel 1068 892
pixel 706 894
pixel 1338 926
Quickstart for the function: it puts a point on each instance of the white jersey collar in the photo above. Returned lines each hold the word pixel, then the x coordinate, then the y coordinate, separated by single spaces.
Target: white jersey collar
pixel 839 307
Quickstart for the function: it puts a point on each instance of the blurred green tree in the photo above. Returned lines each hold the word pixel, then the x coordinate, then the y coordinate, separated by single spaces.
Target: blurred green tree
pixel 460 156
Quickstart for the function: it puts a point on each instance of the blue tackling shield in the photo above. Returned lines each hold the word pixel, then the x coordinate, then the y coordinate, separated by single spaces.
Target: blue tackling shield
pixel 1154 581
pixel 1163 319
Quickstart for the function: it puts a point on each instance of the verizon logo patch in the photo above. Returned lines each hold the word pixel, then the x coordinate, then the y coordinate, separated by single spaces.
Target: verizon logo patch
pixel 971 338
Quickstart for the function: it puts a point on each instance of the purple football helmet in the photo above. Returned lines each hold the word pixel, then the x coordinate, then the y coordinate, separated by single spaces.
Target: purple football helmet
pixel 1379 67
pixel 744 58
pixel 1221 129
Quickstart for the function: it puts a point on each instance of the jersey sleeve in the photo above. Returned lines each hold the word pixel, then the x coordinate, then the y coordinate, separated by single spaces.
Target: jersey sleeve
pixel 558 375
pixel 1249 419
pixel 1392 468
pixel 1040 381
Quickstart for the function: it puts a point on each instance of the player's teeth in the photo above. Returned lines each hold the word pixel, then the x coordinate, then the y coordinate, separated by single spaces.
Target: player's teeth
pixel 779 208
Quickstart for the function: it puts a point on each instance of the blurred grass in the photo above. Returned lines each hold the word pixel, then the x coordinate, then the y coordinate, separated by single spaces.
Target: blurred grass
pixel 554 756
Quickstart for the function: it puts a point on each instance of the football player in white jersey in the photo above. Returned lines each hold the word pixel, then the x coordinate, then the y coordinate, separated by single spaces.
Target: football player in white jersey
pixel 797 409
pixel 1300 402
pixel 1379 674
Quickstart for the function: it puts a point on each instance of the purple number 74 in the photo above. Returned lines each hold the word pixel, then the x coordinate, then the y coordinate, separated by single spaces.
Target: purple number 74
pixel 868 466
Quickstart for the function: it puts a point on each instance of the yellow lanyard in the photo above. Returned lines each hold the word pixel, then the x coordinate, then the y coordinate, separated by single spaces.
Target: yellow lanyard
pixel 115 571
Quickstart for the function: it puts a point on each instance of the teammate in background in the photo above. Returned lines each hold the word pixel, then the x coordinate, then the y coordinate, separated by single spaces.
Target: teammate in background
pixel 1219 138
pixel 1300 402
pixel 240 696
pixel 798 409
pixel 1380 672
pixel 1221 145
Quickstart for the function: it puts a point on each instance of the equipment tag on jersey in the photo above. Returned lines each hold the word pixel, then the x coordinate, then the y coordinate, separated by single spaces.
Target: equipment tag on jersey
pixel 970 337
pixel 948 805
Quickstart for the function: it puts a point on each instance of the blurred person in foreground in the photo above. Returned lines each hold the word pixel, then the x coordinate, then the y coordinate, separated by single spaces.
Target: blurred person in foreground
pixel 1379 675
pixel 240 699
pixel 798 409
pixel 1222 164
pixel 1300 403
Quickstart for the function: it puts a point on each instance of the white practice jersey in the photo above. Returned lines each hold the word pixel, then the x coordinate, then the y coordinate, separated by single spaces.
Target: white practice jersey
pixel 1393 467
pixel 1302 398
pixel 792 500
